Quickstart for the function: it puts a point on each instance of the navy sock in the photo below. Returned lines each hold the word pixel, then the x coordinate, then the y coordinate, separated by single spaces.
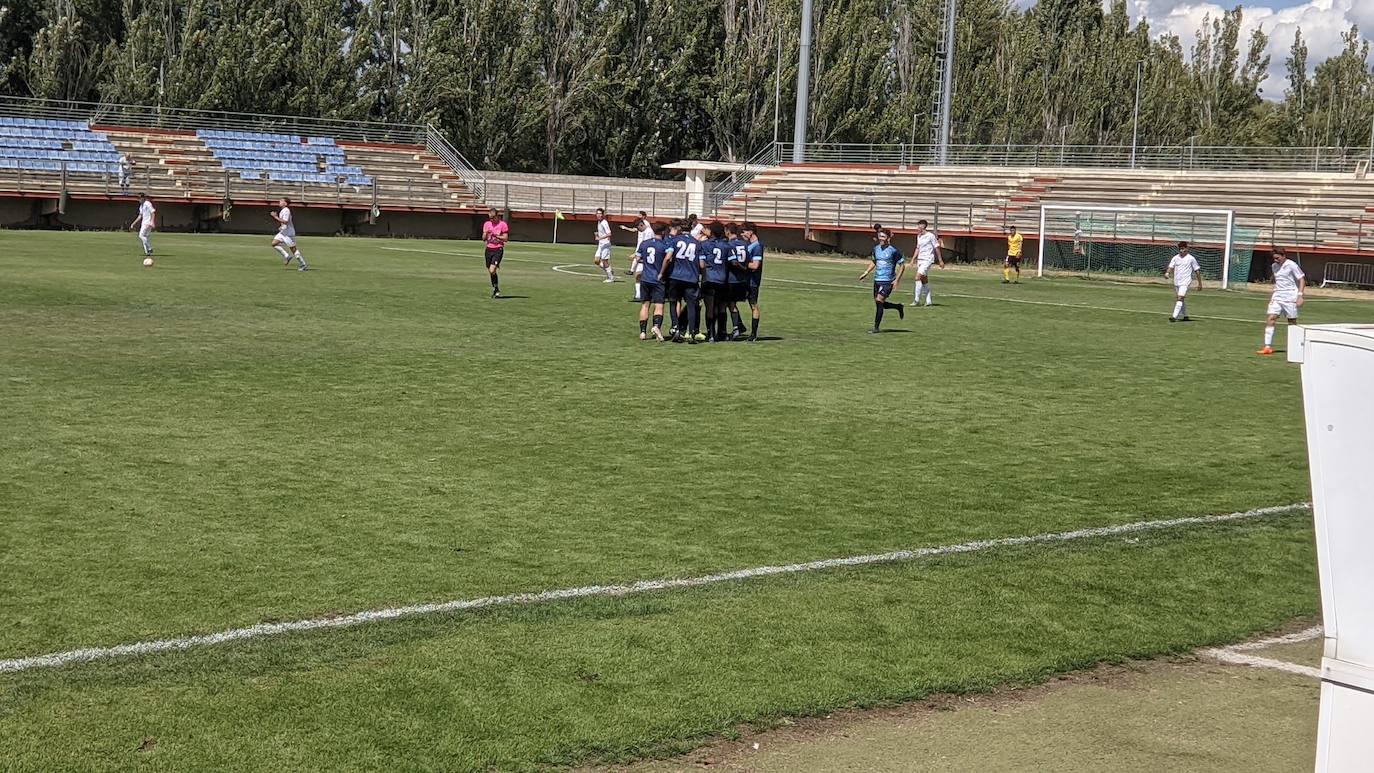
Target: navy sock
pixel 878 314
pixel 754 326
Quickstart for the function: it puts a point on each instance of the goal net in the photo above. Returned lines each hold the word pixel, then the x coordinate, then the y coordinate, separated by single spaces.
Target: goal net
pixel 1140 240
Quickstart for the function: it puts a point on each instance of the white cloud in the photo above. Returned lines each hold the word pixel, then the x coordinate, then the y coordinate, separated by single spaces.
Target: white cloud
pixel 1321 21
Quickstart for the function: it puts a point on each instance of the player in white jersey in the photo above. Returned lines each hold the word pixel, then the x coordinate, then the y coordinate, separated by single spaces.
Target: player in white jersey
pixel 1183 267
pixel 146 221
pixel 927 255
pixel 643 233
pixel 286 234
pixel 1289 285
pixel 603 245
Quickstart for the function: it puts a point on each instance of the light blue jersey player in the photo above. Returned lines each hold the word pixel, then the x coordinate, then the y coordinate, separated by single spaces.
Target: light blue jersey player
pixel 887 269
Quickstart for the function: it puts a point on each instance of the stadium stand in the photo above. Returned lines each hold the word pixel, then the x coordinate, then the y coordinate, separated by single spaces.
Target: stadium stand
pixel 38 145
pixel 213 158
pixel 1327 212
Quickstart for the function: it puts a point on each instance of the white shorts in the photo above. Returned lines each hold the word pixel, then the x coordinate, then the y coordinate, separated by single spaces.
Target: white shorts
pixel 144 231
pixel 923 267
pixel 1181 290
pixel 1278 308
pixel 603 251
pixel 284 239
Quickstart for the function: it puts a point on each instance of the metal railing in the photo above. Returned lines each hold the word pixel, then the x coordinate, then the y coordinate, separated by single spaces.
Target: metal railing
pixel 470 175
pixel 1153 157
pixel 149 117
pixel 725 190
pixel 1354 274
pixel 515 197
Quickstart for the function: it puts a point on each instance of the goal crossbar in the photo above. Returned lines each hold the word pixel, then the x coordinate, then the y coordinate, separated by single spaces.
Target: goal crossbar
pixel 1228 214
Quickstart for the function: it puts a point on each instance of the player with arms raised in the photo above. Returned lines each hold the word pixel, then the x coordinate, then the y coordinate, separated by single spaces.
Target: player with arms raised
pixel 1289 285
pixel 146 221
pixel 603 245
pixel 927 255
pixel 1183 267
pixel 887 269
pixel 286 234
pixel 495 232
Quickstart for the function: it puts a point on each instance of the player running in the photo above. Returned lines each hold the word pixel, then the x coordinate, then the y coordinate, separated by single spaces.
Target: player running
pixel 649 256
pixel 1289 285
pixel 146 221
pixel 603 245
pixel 927 254
pixel 495 232
pixel 1182 268
pixel 684 272
pixel 888 268
pixel 1013 261
pixel 715 266
pixel 753 252
pixel 286 234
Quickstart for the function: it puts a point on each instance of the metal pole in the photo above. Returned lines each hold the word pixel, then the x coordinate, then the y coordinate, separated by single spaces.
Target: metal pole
pixel 777 91
pixel 803 85
pixel 947 84
pixel 1135 118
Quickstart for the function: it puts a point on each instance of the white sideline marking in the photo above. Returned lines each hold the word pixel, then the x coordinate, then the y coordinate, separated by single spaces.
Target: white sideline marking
pixel 90 654
pixel 459 254
pixel 1236 653
pixel 563 269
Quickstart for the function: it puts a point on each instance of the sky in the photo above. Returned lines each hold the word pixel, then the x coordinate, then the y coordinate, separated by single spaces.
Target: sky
pixel 1322 22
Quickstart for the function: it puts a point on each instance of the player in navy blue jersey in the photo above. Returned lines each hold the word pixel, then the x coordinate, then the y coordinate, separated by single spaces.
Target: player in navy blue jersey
pixel 887 269
pixel 715 270
pixel 737 278
pixel 649 258
pixel 754 253
pixel 684 272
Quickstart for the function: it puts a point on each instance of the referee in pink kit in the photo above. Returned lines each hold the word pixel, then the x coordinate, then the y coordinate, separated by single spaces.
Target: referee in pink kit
pixel 496 232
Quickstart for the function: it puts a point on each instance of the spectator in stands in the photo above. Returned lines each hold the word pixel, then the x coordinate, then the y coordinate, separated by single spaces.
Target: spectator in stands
pixel 126 173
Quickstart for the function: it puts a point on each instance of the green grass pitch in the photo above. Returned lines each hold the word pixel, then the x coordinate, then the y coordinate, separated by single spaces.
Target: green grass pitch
pixel 217 442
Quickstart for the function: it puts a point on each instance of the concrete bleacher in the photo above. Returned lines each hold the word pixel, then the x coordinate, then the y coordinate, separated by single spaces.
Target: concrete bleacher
pixel 40 157
pixel 1330 212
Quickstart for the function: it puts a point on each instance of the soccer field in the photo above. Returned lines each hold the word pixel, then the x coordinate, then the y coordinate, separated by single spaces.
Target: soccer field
pixel 218 442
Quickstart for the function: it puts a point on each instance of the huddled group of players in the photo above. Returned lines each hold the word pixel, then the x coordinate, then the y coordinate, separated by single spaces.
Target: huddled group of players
pixel 284 241
pixel 701 272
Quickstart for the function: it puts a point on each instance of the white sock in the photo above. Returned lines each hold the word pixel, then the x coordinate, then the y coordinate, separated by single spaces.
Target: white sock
pixel 1178 309
pixel 637 295
pixel 930 297
pixel 147 244
pixel 282 251
pixel 300 257
pixel 609 274
pixel 1269 336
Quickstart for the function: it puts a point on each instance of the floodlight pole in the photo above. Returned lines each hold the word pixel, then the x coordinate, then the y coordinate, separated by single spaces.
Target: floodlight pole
pixel 803 85
pixel 947 81
pixel 1135 118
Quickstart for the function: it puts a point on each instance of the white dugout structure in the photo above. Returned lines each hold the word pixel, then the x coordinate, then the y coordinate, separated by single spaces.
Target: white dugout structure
pixel 1337 371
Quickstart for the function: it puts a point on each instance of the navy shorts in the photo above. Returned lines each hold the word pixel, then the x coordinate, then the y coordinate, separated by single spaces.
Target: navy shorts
pixel 751 293
pixel 716 291
pixel 494 255
pixel 882 288
pixel 682 290
pixel 652 292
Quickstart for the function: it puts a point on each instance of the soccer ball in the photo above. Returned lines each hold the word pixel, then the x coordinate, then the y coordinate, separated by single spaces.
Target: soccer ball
pixel 147 262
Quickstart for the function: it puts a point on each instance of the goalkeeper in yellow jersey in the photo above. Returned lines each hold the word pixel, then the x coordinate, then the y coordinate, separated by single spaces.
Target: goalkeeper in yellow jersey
pixel 1013 261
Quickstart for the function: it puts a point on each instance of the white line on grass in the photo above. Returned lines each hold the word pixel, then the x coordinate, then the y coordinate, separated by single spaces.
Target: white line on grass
pixel 563 269
pixel 473 254
pixel 1236 653
pixel 90 654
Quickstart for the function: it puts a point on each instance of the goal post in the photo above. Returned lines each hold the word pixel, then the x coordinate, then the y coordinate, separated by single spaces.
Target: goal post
pixel 1128 240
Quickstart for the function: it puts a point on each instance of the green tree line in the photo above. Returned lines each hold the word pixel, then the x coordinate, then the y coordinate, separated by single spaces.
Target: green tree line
pixel 621 86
